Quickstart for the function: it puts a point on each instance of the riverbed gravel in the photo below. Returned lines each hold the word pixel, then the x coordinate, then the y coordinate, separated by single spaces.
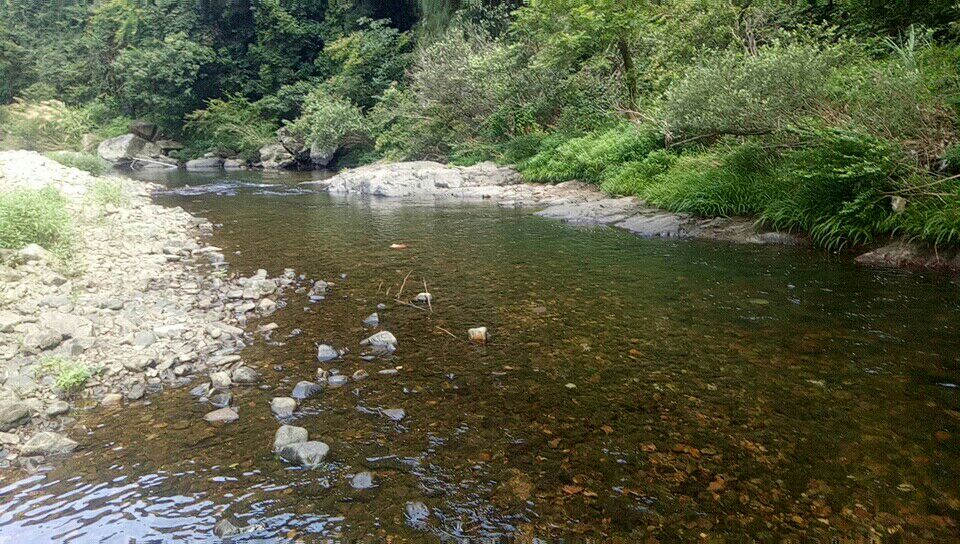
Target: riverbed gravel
pixel 142 303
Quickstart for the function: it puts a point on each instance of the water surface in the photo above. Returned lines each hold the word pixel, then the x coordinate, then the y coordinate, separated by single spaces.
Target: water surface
pixel 632 389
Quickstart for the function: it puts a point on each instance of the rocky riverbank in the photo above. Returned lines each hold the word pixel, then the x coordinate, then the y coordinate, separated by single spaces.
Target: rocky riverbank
pixel 142 303
pixel 584 204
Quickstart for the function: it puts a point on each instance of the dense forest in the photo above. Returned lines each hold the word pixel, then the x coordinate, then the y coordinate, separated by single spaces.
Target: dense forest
pixel 834 117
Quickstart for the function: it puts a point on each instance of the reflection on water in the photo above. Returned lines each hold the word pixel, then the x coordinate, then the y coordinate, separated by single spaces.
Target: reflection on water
pixel 632 389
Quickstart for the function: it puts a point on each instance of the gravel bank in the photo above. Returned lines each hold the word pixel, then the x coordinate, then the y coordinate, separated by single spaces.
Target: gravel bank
pixel 143 303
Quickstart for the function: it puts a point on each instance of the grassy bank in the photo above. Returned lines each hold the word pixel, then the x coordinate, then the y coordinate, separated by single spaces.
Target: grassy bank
pixel 844 188
pixel 35 217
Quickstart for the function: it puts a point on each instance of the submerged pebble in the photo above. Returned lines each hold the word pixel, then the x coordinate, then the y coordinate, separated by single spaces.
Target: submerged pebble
pixel 364 480
pixel 305 390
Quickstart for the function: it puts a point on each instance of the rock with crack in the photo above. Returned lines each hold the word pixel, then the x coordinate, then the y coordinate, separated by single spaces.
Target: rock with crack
pixel 244 375
pixel 287 435
pixel 308 455
pixel 383 339
pixel 13 413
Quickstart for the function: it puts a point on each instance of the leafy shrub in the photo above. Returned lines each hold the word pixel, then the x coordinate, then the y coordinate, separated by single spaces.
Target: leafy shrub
pixel 402 130
pixel 87 162
pixel 233 124
pixel 910 98
pixel 158 80
pixel 741 94
pixel 329 121
pixel 368 61
pixel 586 158
pixel 835 189
pixel 69 376
pixel 35 217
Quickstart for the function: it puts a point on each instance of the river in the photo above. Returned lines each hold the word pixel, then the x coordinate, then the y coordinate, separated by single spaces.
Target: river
pixel 631 389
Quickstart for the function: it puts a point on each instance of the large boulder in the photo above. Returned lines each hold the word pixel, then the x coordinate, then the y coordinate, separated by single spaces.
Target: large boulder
pixel 13 414
pixel 320 156
pixel 206 163
pixel 903 253
pixel 275 157
pixel 287 435
pixel 308 455
pixel 127 148
pixel 421 178
pixel 294 144
pixel 144 129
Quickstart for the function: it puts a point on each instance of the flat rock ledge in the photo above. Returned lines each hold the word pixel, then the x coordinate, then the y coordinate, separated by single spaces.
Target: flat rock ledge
pixel 579 203
pixel 571 202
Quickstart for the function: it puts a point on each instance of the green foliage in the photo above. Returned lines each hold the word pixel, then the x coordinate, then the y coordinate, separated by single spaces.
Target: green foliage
pixel 587 158
pixel 87 162
pixel 368 61
pixel 329 121
pixel 725 182
pixel 632 178
pixel 233 124
pixel 743 94
pixel 934 218
pixel 69 376
pixel 157 81
pixel 35 217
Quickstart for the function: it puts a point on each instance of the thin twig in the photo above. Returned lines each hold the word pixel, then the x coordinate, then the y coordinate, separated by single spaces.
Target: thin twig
pixel 429 296
pixel 404 284
pixel 448 332
pixel 379 287
pixel 421 308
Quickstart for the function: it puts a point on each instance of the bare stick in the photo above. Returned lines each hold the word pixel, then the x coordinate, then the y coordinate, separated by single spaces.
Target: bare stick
pixel 404 284
pixel 429 296
pixel 379 287
pixel 398 301
pixel 135 161
pixel 448 332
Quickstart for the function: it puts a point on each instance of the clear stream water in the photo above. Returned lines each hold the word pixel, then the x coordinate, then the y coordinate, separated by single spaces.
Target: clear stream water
pixel 719 393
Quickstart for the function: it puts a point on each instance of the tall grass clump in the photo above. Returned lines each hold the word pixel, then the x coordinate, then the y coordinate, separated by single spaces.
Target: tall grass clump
pixel 587 158
pixel 35 217
pixel 726 181
pixel 837 188
pixel 107 192
pixel 632 178
pixel 934 219
pixel 49 125
pixel 87 162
